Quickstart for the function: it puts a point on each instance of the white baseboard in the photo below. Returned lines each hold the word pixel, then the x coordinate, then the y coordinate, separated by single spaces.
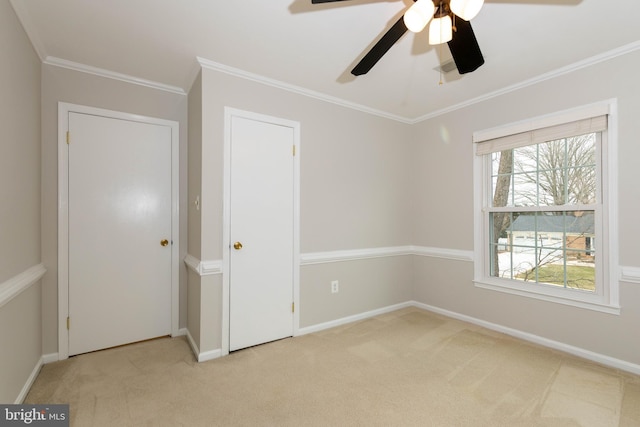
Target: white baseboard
pixel 30 381
pixel 204 356
pixel 50 358
pixel 192 344
pixel 556 345
pixel 350 319
pixel 214 354
pixel 209 355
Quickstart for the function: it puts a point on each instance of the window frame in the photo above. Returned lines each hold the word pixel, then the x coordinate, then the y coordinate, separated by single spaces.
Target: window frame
pixel 606 296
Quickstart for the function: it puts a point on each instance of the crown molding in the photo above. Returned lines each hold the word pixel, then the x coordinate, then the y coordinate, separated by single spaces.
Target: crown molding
pixel 36 41
pixel 606 56
pixel 101 72
pixel 38 46
pixel 215 66
pixel 603 57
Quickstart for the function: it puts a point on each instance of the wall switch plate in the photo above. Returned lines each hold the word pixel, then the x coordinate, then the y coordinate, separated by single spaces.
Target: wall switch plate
pixel 335 286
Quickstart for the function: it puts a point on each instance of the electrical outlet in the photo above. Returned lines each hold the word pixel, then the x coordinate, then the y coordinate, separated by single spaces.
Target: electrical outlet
pixel 335 286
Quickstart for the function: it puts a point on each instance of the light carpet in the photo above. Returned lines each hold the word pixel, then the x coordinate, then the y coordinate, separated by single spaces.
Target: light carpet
pixel 405 368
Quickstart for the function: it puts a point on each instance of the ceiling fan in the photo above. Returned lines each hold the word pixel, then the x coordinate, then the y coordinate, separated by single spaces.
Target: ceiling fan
pixel 449 24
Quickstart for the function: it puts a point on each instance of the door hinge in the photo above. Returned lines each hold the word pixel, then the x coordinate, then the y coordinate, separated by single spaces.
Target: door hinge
pixel 68 323
pixel 294 150
pixel 68 138
pixel 293 307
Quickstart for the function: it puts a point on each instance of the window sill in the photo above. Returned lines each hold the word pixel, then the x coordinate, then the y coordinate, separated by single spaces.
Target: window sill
pixel 559 296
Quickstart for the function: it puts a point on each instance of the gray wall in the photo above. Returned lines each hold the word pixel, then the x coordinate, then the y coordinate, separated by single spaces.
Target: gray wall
pixel 204 292
pixel 20 318
pixel 194 226
pixel 355 193
pixel 443 214
pixel 366 182
pixel 61 84
pixel 354 175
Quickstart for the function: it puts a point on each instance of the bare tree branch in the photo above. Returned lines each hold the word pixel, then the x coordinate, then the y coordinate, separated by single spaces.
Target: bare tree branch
pixel 554 173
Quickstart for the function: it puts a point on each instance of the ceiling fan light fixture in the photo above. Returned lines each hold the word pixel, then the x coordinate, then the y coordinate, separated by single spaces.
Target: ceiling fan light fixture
pixel 466 9
pixel 440 30
pixel 418 15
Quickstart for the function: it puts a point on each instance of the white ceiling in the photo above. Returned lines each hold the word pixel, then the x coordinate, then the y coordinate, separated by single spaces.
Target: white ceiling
pixel 314 47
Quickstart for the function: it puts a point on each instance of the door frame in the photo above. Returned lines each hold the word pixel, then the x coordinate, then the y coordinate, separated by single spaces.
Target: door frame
pixel 63 213
pixel 230 112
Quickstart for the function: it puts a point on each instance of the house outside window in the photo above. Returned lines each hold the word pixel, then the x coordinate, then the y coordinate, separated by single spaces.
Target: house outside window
pixel 545 208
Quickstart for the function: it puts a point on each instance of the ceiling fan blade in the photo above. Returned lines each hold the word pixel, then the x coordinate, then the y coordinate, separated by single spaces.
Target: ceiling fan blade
pixel 380 48
pixel 464 47
pixel 324 1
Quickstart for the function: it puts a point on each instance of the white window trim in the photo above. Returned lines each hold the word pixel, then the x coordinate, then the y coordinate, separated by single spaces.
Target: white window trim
pixel 609 300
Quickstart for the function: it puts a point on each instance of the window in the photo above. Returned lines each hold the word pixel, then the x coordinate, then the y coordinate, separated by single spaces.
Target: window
pixel 544 202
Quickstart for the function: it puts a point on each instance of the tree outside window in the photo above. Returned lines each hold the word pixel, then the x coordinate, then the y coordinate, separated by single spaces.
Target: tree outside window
pixel 542 218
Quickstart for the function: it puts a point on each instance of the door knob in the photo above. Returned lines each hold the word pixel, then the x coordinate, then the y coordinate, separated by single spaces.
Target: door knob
pixel 237 246
pixel 164 242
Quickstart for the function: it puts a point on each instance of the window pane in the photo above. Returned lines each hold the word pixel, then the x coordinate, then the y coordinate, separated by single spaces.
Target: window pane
pixel 500 223
pixel 553 173
pixel 525 189
pixel 495 163
pixel 554 248
pixel 537 234
pixel 552 187
pixel 525 179
pixel 581 188
pixel 526 158
pixel 550 234
pixel 581 150
pixel 512 252
pixel 581 273
pixel 552 155
pixel 502 171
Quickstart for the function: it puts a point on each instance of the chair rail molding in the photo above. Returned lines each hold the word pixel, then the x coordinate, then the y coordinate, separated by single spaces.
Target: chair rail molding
pixel 311 258
pixel 203 268
pixel 630 274
pixel 19 283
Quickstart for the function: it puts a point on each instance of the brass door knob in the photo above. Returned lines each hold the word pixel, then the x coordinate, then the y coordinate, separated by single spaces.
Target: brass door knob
pixel 164 242
pixel 237 246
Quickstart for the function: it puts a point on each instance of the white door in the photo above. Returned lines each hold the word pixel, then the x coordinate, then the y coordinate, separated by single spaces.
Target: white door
pixel 261 232
pixel 119 231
